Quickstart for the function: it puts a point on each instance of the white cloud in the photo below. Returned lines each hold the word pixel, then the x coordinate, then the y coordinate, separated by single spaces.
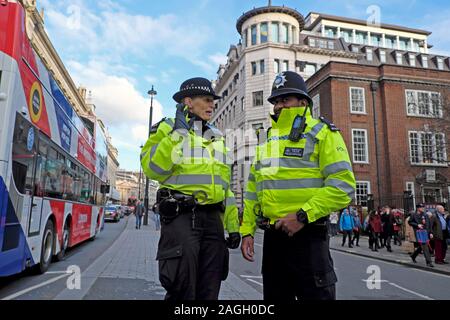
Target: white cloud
pixel 218 58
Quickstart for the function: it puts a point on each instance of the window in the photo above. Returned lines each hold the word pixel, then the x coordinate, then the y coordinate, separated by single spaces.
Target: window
pixel 284 33
pixel 382 56
pixel 312 42
pixel 375 39
pixel 410 187
pixel 403 43
pixel 362 190
pixel 424 61
pixel 254 35
pixel 440 63
pixel 310 69
pixel 242 104
pixel 258 98
pixel 416 46
pixel 262 68
pixel 264 32
pixel 424 104
pixel 275 32
pixel 330 32
pixel 360 146
pixel 244 38
pixel 316 106
pixel 253 68
pixel 331 45
pixel 390 42
pixel 285 65
pixel 357 100
pixel 399 58
pixel 369 54
pixel 427 148
pixel 361 37
pixel 347 35
pixel 257 126
pixel 54 172
pixel 276 66
pixel 412 60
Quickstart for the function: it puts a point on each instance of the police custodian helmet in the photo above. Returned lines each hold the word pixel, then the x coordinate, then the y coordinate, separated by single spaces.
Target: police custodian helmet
pixel 195 87
pixel 289 83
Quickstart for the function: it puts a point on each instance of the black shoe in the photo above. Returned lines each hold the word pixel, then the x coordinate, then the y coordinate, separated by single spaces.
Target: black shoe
pixel 444 262
pixel 413 259
pixel 350 246
pixel 429 264
pixel 136 227
pixel 343 244
pixel 389 250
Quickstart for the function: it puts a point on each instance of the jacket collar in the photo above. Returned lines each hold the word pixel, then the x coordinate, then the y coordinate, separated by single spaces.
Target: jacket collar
pixel 287 116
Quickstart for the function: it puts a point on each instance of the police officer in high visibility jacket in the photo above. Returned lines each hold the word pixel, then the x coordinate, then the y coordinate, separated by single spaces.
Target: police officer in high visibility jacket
pixel 188 157
pixel 301 173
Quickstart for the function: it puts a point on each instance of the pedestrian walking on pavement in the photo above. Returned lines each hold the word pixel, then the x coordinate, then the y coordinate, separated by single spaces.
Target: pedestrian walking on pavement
pixel 422 228
pixel 139 212
pixel 387 222
pixel 156 217
pixel 334 220
pixel 346 225
pixel 440 233
pixel 375 228
pixel 188 157
pixel 313 178
pixel 397 227
pixel 357 228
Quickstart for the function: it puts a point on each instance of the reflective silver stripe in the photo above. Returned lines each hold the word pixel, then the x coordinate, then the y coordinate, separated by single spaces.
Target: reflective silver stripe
pixel 337 167
pixel 153 151
pixel 341 185
pixel 187 179
pixel 251 177
pixel 196 153
pixel 311 141
pixel 251 196
pixel 158 169
pixel 219 180
pixel 170 122
pixel 230 201
pixel 290 184
pixel 286 163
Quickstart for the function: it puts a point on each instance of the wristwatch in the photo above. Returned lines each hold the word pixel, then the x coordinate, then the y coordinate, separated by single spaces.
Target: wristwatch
pixel 302 216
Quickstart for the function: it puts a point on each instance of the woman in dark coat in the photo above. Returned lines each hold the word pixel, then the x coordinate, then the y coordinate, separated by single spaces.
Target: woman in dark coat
pixel 375 228
pixel 387 221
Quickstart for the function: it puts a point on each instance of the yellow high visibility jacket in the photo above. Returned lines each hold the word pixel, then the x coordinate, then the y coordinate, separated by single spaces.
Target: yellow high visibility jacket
pixel 314 174
pixel 190 164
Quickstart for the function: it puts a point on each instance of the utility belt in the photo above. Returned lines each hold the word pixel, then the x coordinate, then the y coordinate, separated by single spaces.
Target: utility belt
pixel 318 226
pixel 172 204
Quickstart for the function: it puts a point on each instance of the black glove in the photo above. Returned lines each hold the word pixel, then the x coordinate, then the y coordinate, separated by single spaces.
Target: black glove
pixel 180 118
pixel 233 240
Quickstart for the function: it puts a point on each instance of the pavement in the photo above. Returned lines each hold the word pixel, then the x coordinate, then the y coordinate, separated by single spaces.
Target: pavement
pixel 400 255
pixel 129 270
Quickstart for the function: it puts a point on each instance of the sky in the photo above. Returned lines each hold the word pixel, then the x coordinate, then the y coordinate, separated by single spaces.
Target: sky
pixel 118 49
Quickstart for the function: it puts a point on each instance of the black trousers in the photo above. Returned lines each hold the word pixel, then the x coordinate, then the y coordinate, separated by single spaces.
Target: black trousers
pixel 344 237
pixel 193 261
pixel 422 247
pixel 300 267
pixel 356 237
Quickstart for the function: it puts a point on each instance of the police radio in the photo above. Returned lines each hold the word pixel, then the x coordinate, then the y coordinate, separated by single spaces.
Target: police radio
pixel 298 127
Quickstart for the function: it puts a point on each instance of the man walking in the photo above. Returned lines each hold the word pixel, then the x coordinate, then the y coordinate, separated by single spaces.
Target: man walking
pixel 346 225
pixel 188 157
pixel 439 231
pixel 301 173
pixel 422 229
pixel 139 212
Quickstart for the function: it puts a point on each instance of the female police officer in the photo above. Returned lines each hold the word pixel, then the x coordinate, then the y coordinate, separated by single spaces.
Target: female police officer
pixel 189 158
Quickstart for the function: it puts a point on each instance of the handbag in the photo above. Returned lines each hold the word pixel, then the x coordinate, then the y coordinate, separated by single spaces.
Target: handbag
pixel 422 236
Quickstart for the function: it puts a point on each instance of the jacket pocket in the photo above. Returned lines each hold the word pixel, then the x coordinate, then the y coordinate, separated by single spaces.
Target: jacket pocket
pixel 169 264
pixel 325 279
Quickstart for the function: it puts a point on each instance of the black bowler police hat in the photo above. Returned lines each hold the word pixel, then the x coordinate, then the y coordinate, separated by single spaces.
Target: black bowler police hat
pixel 195 87
pixel 289 83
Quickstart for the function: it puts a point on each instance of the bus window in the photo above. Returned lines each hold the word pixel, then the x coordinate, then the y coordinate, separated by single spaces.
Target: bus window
pixel 86 186
pixel 24 148
pixel 53 174
pixel 41 160
pixel 99 194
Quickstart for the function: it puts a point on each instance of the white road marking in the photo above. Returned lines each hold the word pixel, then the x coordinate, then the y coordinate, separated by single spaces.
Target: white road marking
pixel 410 291
pixel 251 280
pixel 57 272
pixel 366 280
pixel 255 277
pixel 20 293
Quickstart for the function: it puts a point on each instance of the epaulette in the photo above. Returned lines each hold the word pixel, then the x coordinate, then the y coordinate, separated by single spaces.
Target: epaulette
pixel 330 125
pixel 155 127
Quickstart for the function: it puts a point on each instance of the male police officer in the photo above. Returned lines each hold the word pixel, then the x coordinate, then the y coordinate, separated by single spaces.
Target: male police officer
pixel 188 157
pixel 301 173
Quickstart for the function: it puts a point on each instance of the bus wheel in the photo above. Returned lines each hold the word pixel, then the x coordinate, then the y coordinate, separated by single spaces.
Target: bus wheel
pixel 65 243
pixel 47 247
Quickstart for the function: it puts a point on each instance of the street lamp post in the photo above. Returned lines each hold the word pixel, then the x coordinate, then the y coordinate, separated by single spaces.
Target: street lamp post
pixel 152 93
pixel 140 177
